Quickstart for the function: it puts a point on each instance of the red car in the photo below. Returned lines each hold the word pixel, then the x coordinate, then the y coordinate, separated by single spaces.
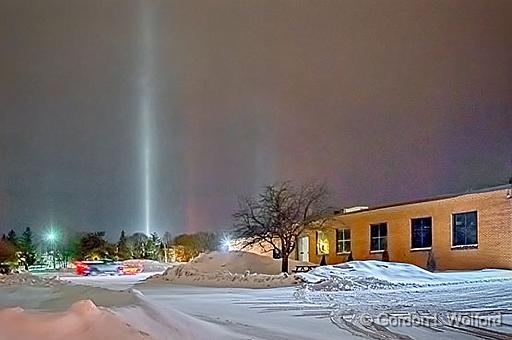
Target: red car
pixel 93 268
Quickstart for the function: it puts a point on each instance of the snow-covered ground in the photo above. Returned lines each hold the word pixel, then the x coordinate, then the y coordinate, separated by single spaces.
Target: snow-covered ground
pixel 395 301
pixel 358 300
pixel 364 275
pixel 110 282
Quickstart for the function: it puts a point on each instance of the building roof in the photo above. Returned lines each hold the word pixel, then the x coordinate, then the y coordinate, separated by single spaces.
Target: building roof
pixel 433 198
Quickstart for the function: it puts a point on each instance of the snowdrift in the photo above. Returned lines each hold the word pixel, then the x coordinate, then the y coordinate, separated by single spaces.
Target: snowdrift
pixel 230 269
pixel 27 279
pixel 77 312
pixel 362 275
pixel 148 266
pixel 238 262
pixel 82 321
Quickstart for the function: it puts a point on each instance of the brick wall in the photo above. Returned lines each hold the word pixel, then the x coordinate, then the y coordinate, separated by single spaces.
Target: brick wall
pixel 494 232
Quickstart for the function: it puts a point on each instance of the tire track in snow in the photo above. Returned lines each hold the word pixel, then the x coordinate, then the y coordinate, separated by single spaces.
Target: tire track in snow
pixel 345 308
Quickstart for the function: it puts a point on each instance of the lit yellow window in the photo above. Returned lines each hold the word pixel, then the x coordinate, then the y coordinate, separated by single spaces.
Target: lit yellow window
pixel 322 243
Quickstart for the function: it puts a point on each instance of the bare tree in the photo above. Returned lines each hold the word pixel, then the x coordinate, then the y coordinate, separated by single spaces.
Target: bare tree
pixel 279 215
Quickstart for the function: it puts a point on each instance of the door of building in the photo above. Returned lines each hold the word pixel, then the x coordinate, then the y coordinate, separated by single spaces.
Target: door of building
pixel 303 248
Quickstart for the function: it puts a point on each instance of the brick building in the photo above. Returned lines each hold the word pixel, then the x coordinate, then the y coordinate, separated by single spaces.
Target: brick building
pixel 466 231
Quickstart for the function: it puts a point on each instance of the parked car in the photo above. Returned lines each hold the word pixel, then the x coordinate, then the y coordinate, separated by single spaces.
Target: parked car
pixel 98 268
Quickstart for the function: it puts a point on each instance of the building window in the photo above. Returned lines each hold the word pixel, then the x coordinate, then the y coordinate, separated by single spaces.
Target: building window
pixel 421 232
pixel 322 243
pixel 343 241
pixel 464 229
pixel 378 237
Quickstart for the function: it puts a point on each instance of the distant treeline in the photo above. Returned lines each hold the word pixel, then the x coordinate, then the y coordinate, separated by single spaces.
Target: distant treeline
pixel 24 251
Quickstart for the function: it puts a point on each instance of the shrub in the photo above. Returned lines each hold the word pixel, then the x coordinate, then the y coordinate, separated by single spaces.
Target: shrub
pixel 350 258
pixel 385 256
pixel 431 262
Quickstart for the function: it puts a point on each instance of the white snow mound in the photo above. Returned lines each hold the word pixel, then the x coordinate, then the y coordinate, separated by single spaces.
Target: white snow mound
pixel 27 279
pixel 358 275
pixel 148 266
pixel 82 321
pixel 230 269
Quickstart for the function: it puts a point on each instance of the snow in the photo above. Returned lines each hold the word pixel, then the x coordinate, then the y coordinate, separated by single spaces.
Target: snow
pixel 190 276
pixel 28 279
pixel 339 300
pixel 118 307
pixel 230 269
pixel 164 321
pixel 148 266
pixel 363 275
pixel 388 293
pixel 436 304
pixel 112 282
pixel 232 314
pixel 82 321
pixel 237 262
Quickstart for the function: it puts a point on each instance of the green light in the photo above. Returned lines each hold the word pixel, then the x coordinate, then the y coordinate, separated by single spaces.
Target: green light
pixel 51 236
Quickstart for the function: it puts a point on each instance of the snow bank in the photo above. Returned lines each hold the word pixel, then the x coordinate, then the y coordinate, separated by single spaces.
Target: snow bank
pixel 27 279
pixel 148 266
pixel 238 262
pixel 82 321
pixel 362 275
pixel 230 269
pixel 163 321
pixel 191 276
pixel 60 298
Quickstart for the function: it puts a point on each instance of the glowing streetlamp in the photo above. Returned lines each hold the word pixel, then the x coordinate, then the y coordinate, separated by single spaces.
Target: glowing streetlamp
pixel 226 243
pixel 51 237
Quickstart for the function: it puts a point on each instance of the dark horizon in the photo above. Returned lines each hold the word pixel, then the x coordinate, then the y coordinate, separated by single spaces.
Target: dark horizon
pixel 384 101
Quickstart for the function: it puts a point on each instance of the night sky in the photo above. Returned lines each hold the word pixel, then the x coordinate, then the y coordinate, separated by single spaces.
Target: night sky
pixel 383 100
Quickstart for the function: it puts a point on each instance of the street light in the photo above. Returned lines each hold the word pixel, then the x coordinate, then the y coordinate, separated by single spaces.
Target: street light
pixel 226 243
pixel 52 238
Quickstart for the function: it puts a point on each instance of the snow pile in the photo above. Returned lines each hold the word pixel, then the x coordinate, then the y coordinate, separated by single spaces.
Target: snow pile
pixel 27 279
pixel 238 262
pixel 230 269
pixel 149 266
pixel 82 321
pixel 362 275
pixel 191 276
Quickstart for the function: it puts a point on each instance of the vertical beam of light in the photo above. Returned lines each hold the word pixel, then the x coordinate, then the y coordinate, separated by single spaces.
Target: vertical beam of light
pixel 147 187
pixel 146 80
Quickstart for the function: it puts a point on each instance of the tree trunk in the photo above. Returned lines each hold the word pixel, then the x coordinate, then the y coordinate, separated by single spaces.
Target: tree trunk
pixel 284 262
